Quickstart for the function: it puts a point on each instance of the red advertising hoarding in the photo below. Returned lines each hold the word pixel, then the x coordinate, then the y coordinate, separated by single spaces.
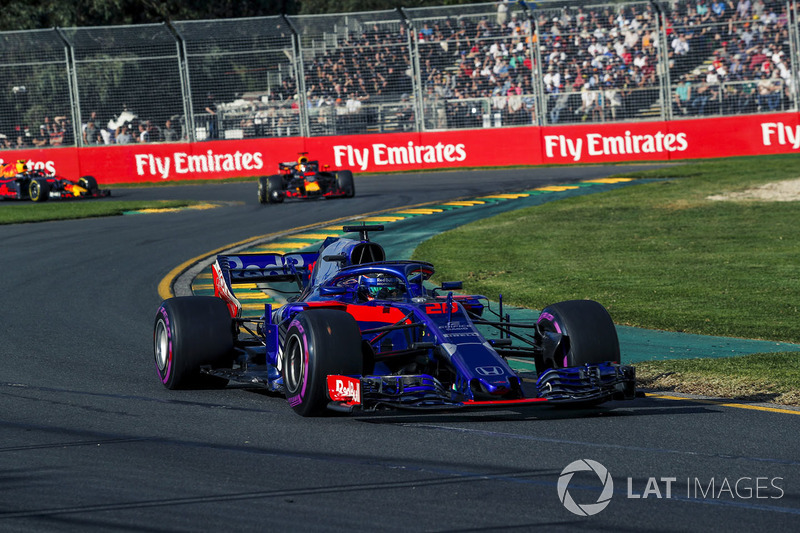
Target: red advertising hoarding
pixel 489 147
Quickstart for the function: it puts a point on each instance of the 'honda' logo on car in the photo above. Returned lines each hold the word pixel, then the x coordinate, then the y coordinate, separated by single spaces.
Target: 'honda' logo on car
pixel 489 371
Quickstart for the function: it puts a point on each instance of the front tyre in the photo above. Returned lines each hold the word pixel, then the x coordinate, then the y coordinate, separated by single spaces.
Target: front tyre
pixel 275 193
pixel 39 190
pixel 191 331
pixel 345 182
pixel 317 344
pixel 89 183
pixel 576 333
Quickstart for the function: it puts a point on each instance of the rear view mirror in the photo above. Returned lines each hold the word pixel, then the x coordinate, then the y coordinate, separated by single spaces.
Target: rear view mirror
pixel 331 291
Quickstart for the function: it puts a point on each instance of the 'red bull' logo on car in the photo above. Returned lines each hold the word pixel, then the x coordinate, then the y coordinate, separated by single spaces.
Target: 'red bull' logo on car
pixel 9 170
pixel 344 389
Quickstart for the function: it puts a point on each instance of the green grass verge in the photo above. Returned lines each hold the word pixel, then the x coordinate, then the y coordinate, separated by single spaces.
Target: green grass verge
pixel 763 377
pixel 662 256
pixel 659 255
pixel 18 212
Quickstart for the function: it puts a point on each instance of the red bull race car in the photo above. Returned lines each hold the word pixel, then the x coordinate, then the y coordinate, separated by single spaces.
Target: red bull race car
pixel 304 179
pixel 365 334
pixel 19 182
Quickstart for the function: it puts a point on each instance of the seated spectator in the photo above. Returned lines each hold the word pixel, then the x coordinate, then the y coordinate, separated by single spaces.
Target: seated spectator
pixel 613 99
pixel 91 135
pixel 683 97
pixel 169 134
pixel 42 138
pixel 704 98
pixel 144 133
pixel 768 93
pixel 123 135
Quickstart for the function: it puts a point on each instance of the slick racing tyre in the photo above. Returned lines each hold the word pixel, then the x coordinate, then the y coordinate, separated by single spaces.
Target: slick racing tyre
pixel 89 183
pixel 262 189
pixel 275 192
pixel 580 332
pixel 317 344
pixel 39 190
pixel 191 331
pixel 344 181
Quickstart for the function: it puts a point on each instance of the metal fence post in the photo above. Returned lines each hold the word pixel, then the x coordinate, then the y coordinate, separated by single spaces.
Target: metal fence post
pixel 186 87
pixel 665 81
pixel 537 73
pixel 300 76
pixel 794 47
pixel 75 108
pixel 416 86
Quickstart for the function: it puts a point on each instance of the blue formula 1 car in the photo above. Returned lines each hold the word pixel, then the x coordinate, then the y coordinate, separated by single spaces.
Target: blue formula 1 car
pixel 364 334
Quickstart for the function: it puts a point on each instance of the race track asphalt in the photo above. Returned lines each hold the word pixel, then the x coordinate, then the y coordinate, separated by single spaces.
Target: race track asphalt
pixel 90 440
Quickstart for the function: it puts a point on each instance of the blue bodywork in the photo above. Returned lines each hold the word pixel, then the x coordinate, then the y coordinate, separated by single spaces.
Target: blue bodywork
pixel 425 349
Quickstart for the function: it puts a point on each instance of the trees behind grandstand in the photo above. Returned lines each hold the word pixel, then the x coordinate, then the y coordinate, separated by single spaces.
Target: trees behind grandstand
pixel 36 14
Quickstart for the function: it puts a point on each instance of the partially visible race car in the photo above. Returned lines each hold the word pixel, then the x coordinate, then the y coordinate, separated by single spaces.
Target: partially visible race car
pixel 19 182
pixel 365 334
pixel 304 179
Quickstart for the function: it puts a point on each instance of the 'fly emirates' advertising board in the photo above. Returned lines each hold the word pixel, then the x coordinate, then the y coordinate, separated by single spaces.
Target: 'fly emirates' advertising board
pixel 490 147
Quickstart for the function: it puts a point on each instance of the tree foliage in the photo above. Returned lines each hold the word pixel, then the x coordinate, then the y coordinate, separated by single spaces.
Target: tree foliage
pixel 37 14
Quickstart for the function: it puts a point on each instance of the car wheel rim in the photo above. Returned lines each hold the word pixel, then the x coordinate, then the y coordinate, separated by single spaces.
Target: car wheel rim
pixel 161 345
pixel 294 364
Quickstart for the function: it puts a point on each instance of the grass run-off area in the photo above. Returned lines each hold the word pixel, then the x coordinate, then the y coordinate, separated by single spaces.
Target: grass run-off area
pixel 658 255
pixel 15 212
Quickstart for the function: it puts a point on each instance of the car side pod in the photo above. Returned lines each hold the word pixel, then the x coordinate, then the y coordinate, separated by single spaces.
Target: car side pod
pixel 591 383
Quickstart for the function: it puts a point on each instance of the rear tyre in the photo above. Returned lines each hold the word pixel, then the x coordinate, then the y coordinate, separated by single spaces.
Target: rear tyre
pixel 584 332
pixel 262 190
pixel 39 190
pixel 275 193
pixel 345 182
pixel 317 344
pixel 189 332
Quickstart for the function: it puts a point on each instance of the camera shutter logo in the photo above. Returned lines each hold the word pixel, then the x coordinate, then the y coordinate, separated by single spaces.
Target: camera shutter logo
pixel 586 509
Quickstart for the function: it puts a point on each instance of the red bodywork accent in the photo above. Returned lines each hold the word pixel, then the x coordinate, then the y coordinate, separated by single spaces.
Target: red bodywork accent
pixel 375 313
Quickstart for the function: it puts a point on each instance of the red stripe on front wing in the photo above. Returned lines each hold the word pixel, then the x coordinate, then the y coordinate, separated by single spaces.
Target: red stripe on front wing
pixel 523 401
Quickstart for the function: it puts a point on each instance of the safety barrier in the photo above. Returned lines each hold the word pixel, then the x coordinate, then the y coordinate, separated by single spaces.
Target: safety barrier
pixel 532 145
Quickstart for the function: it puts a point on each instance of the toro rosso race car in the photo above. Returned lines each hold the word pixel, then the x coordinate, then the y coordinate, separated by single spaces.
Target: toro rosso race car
pixel 304 179
pixel 18 182
pixel 366 334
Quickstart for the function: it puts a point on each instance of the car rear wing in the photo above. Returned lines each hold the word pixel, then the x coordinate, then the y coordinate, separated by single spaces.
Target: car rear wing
pixel 230 270
pixel 268 267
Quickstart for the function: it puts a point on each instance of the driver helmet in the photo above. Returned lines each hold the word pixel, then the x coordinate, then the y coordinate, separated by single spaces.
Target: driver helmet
pixel 380 286
pixel 301 163
pixel 22 166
